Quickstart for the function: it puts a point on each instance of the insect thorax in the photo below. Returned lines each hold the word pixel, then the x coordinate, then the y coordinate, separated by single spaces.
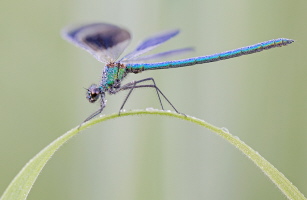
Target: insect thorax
pixel 113 74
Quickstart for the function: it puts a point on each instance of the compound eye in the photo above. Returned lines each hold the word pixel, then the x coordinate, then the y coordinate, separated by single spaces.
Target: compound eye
pixel 93 93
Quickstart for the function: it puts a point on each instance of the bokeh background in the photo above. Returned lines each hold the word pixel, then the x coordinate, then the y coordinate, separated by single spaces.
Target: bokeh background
pixel 261 98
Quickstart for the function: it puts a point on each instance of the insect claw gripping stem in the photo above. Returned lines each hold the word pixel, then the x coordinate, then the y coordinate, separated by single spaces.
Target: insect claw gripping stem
pixel 133 85
pixel 102 106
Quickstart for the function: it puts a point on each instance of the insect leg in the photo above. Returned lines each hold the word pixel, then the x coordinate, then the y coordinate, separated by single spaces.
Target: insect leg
pixel 102 105
pixel 132 85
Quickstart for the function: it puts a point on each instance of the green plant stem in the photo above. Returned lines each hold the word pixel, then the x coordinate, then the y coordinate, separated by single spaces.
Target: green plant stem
pixel 21 185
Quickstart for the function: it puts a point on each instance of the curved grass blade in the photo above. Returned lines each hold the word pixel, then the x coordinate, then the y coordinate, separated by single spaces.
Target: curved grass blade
pixel 21 185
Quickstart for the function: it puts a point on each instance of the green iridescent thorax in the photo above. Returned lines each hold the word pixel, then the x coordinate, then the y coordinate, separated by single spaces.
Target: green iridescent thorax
pixel 112 75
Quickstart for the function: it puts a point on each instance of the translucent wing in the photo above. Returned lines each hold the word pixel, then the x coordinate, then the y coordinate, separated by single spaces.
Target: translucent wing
pixel 150 43
pixel 157 56
pixel 104 41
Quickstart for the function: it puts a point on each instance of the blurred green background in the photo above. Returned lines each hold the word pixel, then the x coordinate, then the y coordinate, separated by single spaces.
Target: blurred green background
pixel 261 98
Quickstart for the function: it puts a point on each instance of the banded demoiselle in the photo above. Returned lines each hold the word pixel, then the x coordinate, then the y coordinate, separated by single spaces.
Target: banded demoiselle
pixel 106 42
